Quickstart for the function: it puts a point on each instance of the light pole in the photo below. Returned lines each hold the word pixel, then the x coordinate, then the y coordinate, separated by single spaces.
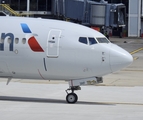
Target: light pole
pixel 28 7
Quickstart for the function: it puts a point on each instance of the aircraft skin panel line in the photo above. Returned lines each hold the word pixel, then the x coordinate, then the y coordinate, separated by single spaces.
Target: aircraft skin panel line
pixel 41 74
pixel 57 50
pixel 44 64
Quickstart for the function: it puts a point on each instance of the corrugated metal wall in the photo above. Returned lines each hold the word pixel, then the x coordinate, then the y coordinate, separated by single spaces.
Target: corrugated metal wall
pixel 134 23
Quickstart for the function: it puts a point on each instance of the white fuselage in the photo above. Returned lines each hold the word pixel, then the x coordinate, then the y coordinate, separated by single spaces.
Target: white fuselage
pixel 57 53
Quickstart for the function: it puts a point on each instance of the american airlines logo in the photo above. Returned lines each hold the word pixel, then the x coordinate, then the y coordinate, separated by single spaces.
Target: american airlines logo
pixel 30 37
pixel 34 45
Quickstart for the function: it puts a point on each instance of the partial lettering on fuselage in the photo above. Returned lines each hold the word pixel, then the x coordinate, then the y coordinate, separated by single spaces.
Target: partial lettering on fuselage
pixel 10 37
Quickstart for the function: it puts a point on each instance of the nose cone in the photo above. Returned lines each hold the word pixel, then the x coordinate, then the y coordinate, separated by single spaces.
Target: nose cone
pixel 119 58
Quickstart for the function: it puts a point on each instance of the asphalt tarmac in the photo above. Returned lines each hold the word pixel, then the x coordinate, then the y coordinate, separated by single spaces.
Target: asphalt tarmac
pixel 119 97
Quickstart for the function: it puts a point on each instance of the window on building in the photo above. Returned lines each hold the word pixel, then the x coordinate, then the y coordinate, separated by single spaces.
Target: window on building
pixel 115 1
pixel 33 5
pixel 96 0
pixel 14 4
pixel 42 5
pixel 49 5
pixel 23 5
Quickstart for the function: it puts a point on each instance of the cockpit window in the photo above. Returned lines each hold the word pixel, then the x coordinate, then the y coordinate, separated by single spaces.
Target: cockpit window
pixel 83 40
pixel 102 40
pixel 92 41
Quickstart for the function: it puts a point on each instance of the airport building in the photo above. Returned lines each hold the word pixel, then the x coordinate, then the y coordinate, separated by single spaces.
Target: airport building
pixel 108 15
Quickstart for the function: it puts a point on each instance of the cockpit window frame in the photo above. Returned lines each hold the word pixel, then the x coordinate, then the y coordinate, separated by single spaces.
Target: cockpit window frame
pixel 92 42
pixel 88 42
pixel 107 41
pixel 82 41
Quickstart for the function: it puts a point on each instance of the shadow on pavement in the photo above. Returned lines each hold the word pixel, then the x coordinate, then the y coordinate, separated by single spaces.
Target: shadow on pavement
pixel 44 100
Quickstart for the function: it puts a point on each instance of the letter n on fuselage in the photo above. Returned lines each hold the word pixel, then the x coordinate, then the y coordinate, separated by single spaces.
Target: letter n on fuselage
pixel 3 37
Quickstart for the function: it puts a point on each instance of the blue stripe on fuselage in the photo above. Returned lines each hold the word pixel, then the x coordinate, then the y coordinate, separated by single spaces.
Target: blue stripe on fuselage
pixel 25 28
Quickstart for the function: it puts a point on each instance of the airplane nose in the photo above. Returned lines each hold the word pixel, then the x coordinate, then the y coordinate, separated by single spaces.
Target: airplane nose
pixel 119 58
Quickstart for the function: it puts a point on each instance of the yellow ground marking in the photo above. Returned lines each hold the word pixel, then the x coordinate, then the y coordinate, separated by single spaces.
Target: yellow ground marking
pixel 135 58
pixel 135 51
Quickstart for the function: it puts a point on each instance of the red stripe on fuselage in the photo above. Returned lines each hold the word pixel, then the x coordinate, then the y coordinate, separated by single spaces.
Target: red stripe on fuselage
pixel 34 45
